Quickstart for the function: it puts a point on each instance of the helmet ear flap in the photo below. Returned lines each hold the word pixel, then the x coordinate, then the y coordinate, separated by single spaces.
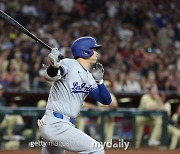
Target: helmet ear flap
pixel 85 52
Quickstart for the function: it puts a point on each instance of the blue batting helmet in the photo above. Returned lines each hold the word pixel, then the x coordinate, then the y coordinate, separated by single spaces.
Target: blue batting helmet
pixel 82 47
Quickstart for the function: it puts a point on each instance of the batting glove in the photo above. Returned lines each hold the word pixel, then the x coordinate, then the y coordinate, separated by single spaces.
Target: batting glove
pixel 98 73
pixel 55 56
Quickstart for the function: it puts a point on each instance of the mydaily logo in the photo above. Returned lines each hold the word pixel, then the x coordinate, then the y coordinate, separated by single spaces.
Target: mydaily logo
pixel 120 143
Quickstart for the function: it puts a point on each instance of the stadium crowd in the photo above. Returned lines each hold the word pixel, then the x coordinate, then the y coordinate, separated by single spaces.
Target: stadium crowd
pixel 141 41
pixel 141 46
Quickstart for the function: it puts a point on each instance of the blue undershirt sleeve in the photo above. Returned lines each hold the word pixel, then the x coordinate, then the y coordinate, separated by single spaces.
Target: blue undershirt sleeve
pixel 101 94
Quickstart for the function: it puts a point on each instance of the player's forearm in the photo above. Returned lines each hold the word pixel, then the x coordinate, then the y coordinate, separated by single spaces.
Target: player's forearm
pixel 101 94
pixel 51 71
pixel 104 94
pixel 52 74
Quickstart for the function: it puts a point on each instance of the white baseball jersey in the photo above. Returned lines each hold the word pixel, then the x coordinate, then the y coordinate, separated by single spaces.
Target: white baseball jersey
pixel 68 94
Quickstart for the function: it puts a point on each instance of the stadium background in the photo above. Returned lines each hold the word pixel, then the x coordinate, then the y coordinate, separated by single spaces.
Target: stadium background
pixel 140 41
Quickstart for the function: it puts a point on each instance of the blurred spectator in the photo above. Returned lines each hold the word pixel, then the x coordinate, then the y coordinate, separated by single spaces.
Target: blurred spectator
pixel 2 98
pixel 29 9
pixel 17 81
pixel 28 132
pixel 165 36
pixel 178 61
pixel 17 61
pixel 41 104
pixel 112 8
pixel 150 101
pixel 81 121
pixel 3 59
pixel 25 79
pixel 11 126
pixel 176 117
pixel 172 128
pixel 67 5
pixel 132 84
pixel 142 83
pixel 120 84
pixel 151 80
pixel 4 80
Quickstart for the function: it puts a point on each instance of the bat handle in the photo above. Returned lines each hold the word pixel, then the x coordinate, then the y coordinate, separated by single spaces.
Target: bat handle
pixel 43 43
pixel 47 46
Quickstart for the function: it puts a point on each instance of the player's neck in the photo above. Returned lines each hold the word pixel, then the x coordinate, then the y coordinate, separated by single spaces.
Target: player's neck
pixel 85 63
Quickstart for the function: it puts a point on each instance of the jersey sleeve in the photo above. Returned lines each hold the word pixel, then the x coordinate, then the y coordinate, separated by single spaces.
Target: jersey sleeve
pixel 64 67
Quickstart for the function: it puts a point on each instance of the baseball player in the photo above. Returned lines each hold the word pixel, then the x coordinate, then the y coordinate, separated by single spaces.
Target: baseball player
pixel 72 82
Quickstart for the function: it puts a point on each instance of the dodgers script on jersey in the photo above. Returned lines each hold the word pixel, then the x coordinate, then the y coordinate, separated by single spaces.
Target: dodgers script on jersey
pixel 68 94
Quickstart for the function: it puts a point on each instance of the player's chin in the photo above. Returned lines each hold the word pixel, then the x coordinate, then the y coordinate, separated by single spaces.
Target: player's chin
pixel 94 61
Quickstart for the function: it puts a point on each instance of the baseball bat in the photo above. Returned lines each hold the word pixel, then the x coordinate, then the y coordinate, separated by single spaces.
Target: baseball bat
pixel 17 25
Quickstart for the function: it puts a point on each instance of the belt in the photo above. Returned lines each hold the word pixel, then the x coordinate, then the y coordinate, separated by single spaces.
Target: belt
pixel 60 116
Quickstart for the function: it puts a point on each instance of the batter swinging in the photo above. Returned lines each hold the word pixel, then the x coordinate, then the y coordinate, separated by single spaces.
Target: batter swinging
pixel 72 82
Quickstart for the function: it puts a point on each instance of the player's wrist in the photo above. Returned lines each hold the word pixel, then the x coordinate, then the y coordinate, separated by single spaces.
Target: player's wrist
pixel 100 81
pixel 56 66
